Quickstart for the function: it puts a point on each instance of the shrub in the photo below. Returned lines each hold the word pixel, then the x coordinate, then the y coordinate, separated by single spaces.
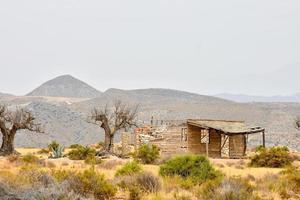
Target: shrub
pixel 53 145
pixel 234 188
pixel 13 158
pixel 275 157
pixel 111 164
pixel 87 182
pixel 93 160
pixel 81 153
pixel 129 168
pixel 147 154
pixel 30 159
pixel 91 182
pixel 101 145
pixel 288 184
pixel 43 151
pixel 61 175
pixel 135 193
pixel 75 146
pixel 148 182
pixel 197 168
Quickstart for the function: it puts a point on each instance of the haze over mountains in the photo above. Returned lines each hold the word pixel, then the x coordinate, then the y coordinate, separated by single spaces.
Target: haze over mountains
pixel 63 105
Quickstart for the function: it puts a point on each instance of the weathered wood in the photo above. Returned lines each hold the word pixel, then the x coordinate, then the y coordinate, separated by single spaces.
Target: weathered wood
pixel 264 139
pixel 237 146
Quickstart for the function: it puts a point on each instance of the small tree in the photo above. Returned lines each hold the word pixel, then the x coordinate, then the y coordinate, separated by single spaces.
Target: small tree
pixel 10 123
pixel 121 116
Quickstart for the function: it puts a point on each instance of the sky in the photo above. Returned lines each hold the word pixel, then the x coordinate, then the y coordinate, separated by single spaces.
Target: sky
pixel 207 47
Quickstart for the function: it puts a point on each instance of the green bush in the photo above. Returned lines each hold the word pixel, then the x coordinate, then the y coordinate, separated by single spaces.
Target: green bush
pixel 275 157
pixel 81 153
pixel 147 154
pixel 53 146
pixel 75 146
pixel 194 167
pixel 43 151
pixel 94 183
pixel 93 160
pixel 30 159
pixel 129 168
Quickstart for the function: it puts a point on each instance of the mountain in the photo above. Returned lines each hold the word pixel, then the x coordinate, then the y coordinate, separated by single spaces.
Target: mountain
pixel 65 86
pixel 65 118
pixel 248 98
pixel 153 97
pixel 5 95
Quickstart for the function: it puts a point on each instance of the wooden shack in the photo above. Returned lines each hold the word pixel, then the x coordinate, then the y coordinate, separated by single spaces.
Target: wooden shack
pixel 220 138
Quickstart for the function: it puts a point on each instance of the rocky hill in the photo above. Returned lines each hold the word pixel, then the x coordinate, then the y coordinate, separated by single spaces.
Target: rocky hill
pixel 65 86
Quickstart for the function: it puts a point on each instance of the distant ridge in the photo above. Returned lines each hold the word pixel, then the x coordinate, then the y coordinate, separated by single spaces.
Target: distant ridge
pixel 5 95
pixel 241 98
pixel 65 86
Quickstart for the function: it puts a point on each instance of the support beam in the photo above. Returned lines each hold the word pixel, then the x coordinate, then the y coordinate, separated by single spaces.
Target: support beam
pixel 264 139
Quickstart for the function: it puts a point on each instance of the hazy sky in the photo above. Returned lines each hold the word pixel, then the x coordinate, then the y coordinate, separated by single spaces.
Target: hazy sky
pixel 248 46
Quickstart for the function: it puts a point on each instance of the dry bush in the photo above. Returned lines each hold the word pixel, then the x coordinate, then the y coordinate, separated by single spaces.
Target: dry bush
pixel 93 160
pixel 50 164
pixel 86 183
pixel 220 165
pixel 13 158
pixel 148 182
pixel 135 193
pixel 65 164
pixel 111 164
pixel 30 158
pixel 234 188
pixel 43 151
pixel 230 163
pixel 275 157
pixel 250 177
pixel 183 195
pixel 138 184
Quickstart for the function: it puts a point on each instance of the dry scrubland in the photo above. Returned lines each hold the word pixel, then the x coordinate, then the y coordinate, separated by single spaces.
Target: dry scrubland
pixel 34 173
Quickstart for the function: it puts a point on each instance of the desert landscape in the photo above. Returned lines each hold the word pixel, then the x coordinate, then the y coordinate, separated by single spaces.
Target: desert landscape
pixel 64 140
pixel 149 100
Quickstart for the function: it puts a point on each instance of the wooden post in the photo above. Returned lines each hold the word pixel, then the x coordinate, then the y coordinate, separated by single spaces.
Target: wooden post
pixel 207 141
pixel 264 139
pixel 207 148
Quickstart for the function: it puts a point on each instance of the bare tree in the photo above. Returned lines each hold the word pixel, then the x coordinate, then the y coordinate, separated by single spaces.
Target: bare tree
pixel 10 123
pixel 121 116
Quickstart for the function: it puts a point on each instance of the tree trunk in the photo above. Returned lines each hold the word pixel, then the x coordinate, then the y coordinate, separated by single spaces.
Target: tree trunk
pixel 7 147
pixel 109 138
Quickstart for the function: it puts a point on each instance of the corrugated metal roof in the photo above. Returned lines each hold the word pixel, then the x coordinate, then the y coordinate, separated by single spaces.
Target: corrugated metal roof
pixel 225 126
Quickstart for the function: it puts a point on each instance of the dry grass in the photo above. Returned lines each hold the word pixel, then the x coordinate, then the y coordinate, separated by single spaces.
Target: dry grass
pixel 171 188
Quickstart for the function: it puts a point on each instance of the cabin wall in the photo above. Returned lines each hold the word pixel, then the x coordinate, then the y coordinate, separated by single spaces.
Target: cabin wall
pixel 195 146
pixel 237 146
pixel 173 142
